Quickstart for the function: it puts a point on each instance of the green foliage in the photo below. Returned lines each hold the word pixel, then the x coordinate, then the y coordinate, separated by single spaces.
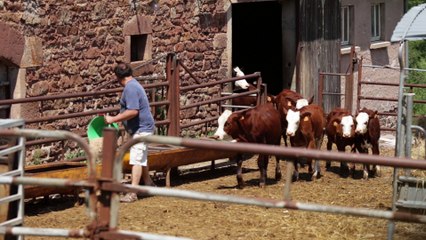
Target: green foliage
pixel 417 59
pixel 210 133
pixel 37 155
pixel 412 3
pixel 74 154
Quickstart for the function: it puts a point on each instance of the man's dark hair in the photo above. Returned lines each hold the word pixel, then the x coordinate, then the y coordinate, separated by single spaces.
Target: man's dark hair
pixel 123 70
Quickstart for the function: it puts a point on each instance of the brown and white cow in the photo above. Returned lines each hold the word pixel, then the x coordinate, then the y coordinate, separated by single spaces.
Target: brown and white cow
pixel 220 132
pixel 367 135
pixel 285 100
pixel 243 86
pixel 242 83
pixel 260 124
pixel 306 129
pixel 340 130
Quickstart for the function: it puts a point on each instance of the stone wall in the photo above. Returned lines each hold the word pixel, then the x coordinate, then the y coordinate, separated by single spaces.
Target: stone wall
pixel 82 40
pixel 381 57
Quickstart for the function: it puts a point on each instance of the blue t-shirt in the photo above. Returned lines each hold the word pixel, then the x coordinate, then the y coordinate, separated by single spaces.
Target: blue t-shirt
pixel 134 98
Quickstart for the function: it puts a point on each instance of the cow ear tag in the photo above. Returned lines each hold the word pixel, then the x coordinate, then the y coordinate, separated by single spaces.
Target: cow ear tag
pixel 306 118
pixel 335 123
pixel 289 104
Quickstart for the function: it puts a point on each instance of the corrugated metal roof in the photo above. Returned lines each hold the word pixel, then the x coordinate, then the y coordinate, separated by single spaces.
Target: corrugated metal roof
pixel 412 25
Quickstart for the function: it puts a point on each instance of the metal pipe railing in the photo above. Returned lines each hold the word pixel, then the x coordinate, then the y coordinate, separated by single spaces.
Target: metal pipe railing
pixel 208 84
pixel 268 203
pixel 271 150
pixel 278 150
pixel 91 164
pixel 109 183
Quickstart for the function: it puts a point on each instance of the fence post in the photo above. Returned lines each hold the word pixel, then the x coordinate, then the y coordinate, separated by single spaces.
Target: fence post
pixel 259 87
pixel 298 63
pixel 403 138
pixel 108 208
pixel 321 90
pixel 358 92
pixel 408 100
pixel 349 83
pixel 264 93
pixel 173 95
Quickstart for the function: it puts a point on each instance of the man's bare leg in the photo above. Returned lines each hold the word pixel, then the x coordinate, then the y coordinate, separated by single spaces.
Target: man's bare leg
pixel 136 174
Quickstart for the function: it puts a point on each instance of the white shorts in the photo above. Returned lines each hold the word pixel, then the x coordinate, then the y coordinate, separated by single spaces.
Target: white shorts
pixel 139 151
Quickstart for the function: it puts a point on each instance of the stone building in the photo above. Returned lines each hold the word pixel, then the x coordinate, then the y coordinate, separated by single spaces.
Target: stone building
pixel 368 26
pixel 50 47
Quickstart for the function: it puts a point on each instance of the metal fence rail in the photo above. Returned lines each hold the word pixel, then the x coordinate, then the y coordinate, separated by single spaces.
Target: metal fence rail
pixel 105 222
pixel 92 185
pixel 164 92
pixel 13 161
pixel 349 88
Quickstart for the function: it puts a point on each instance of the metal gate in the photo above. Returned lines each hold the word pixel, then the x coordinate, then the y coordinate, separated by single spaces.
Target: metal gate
pixel 104 223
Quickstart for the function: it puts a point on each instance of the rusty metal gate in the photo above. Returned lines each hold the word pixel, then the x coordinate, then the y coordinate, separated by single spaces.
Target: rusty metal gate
pixel 104 219
pixel 349 96
pixel 164 93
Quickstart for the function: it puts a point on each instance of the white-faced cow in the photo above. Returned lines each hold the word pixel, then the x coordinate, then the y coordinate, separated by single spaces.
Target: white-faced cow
pixel 306 129
pixel 220 133
pixel 242 83
pixel 244 86
pixel 285 100
pixel 367 135
pixel 260 124
pixel 340 130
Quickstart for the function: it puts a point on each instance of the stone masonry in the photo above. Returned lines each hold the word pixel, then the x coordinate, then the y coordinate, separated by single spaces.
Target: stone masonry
pixel 82 40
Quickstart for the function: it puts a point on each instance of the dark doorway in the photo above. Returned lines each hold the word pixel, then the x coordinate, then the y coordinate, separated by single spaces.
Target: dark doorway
pixel 257 41
pixel 8 75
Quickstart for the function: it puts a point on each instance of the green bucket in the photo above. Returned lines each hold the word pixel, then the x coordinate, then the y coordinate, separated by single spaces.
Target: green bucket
pixel 96 127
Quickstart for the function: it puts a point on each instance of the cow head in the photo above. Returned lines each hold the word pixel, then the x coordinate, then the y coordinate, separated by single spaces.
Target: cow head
pixel 290 103
pixel 293 119
pixel 232 125
pixel 270 98
pixel 363 120
pixel 240 83
pixel 346 126
pixel 220 133
pixel 301 103
pixel 238 126
pixel 361 123
pixel 311 100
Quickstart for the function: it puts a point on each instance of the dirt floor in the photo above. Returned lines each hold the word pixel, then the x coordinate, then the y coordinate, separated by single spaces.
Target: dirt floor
pixel 213 220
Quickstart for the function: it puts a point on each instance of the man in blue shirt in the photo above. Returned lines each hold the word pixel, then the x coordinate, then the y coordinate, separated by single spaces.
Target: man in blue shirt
pixel 135 114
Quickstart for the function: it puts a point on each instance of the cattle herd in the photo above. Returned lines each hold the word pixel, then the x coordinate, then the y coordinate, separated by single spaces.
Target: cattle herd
pixel 289 115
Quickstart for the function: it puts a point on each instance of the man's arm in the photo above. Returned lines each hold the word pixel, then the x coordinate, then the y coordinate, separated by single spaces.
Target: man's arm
pixel 126 115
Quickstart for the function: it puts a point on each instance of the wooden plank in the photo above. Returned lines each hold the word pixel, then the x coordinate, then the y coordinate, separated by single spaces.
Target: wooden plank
pixel 164 160
pixel 158 160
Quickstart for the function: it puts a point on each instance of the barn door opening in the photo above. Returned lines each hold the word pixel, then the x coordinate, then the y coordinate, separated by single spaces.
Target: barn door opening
pixel 8 75
pixel 257 41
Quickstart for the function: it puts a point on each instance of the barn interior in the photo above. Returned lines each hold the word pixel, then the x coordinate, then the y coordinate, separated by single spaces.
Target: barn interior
pixel 257 44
